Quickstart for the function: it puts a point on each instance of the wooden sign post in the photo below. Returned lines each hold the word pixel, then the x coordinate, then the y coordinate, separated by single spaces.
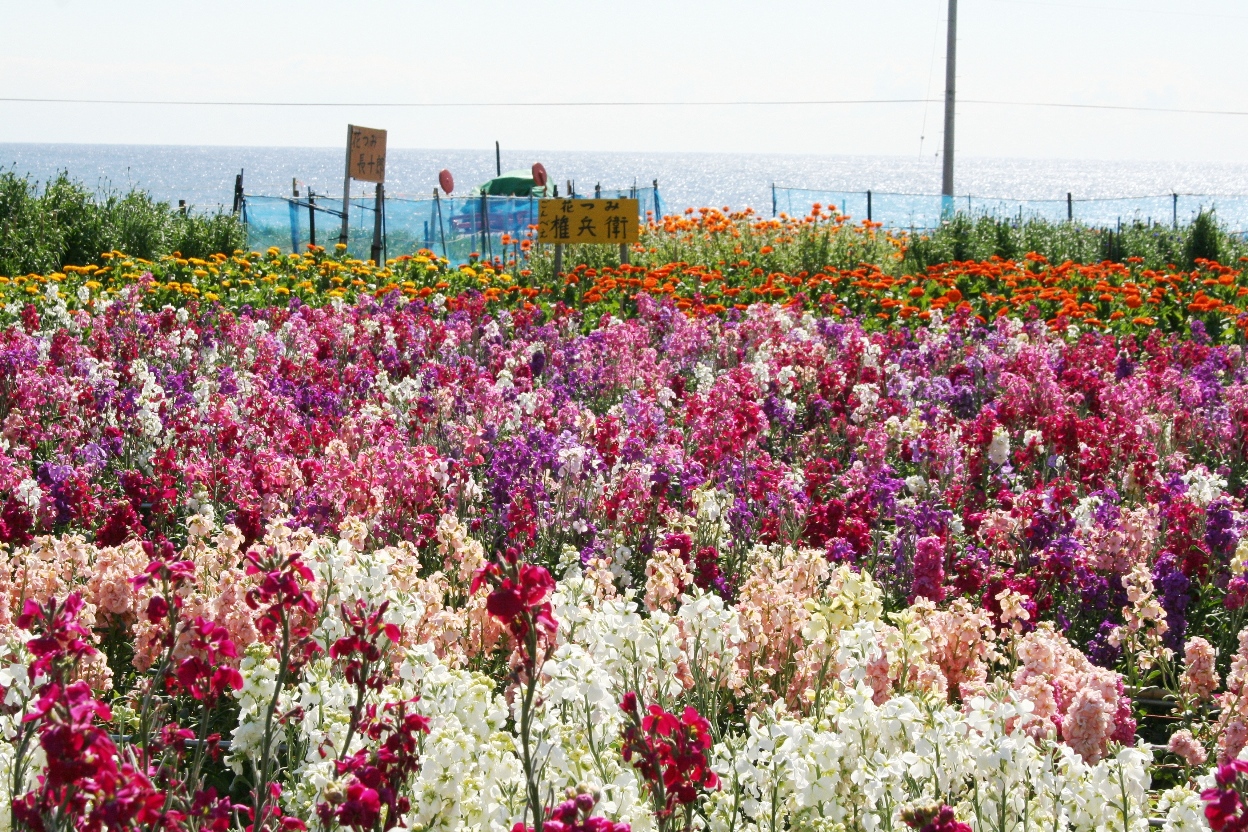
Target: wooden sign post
pixel 366 162
pixel 601 221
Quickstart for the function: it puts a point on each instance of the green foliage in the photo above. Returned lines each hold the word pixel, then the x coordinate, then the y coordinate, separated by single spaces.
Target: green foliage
pixel 1159 246
pixel 1204 239
pixel 64 223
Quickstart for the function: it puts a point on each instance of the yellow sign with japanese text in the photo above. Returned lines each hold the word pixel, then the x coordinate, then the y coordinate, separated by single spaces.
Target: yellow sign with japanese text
pixel 571 221
pixel 366 154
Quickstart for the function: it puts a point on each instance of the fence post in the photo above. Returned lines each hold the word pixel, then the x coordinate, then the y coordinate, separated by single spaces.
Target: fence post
pixel 485 227
pixel 238 192
pixel 1176 210
pixel 598 190
pixel 658 207
pixel 292 206
pixel 379 197
pixel 441 230
pixel 311 217
pixel 869 216
pixel 346 191
pixel 773 199
pixel 1070 207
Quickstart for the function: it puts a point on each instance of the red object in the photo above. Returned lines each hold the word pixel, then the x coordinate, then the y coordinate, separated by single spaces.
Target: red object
pixel 446 181
pixel 539 175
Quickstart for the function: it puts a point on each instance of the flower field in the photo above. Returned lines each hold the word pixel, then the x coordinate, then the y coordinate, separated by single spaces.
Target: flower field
pixel 300 542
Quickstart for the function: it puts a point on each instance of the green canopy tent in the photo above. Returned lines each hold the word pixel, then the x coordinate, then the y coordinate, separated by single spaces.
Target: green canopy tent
pixel 511 183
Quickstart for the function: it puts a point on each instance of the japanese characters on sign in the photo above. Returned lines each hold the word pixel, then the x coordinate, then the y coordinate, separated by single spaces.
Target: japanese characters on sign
pixel 366 154
pixel 571 221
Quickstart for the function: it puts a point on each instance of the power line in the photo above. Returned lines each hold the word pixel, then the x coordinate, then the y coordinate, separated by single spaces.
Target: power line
pixel 441 104
pixel 747 103
pixel 1123 107
pixel 1084 7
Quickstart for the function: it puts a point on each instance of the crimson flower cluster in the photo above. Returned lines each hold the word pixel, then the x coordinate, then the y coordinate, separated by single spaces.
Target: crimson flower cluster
pixel 282 591
pixel 575 815
pixel 934 819
pixel 166 569
pixel 670 752
pixel 1224 803
pixel 202 674
pixel 361 648
pixel 375 775
pixel 85 785
pixel 519 593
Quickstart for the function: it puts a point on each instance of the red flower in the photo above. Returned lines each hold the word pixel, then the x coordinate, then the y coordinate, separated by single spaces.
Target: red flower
pixel 1224 803
pixel 670 752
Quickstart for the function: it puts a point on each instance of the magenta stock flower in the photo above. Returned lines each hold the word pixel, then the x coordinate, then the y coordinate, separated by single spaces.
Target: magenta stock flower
pixel 59 635
pixel 934 819
pixel 362 647
pixel 373 797
pixel 575 815
pixel 281 593
pixel 86 785
pixel 205 675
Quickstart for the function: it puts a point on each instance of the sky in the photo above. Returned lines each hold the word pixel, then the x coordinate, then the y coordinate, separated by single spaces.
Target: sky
pixel 1134 53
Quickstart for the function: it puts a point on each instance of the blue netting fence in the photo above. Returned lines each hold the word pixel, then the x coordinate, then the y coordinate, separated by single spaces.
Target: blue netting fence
pixel 454 227
pixel 925 211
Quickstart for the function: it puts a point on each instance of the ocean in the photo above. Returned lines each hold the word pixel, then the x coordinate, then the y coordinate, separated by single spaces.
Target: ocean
pixel 204 175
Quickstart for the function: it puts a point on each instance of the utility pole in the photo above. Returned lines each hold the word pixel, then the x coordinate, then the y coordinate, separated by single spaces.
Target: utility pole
pixel 951 53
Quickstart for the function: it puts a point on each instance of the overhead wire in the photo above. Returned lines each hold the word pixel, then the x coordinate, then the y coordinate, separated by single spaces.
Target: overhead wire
pixel 744 103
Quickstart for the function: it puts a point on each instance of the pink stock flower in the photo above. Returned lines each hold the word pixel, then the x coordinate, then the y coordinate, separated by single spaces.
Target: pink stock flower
pixel 1200 677
pixel 929 569
pixel 1186 746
